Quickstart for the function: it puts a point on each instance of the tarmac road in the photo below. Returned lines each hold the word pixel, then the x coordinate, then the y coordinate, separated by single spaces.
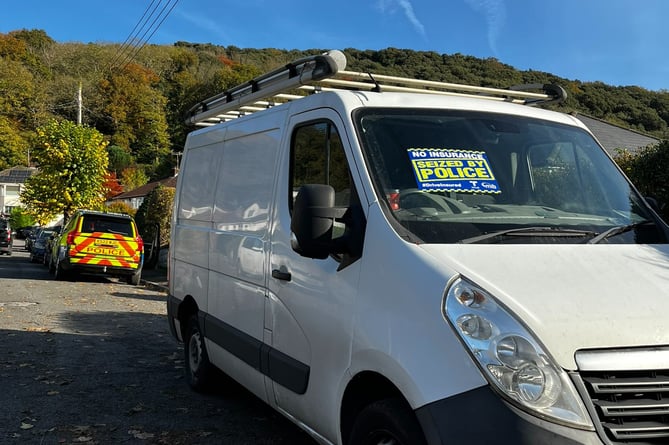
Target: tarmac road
pixel 93 362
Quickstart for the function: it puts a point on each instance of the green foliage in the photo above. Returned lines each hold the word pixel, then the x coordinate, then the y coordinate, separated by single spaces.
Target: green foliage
pixel 14 147
pixel 73 162
pixel 648 170
pixel 119 159
pixel 121 207
pixel 20 218
pixel 133 177
pixel 156 211
pixel 137 113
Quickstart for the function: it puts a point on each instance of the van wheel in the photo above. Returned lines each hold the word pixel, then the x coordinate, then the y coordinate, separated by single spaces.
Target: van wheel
pixel 386 422
pixel 199 370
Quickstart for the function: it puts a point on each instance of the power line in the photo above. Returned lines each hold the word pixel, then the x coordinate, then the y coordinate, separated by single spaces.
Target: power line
pixel 144 40
pixel 135 42
pixel 128 41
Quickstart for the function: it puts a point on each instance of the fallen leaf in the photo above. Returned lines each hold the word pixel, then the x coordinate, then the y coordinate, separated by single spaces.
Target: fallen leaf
pixel 26 426
pixel 52 393
pixel 137 409
pixel 141 435
pixel 38 329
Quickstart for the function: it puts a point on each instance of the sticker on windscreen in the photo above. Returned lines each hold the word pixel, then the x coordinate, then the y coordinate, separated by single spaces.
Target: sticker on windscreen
pixel 448 170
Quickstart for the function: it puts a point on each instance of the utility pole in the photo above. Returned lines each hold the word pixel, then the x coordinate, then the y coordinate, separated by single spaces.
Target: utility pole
pixel 177 154
pixel 79 105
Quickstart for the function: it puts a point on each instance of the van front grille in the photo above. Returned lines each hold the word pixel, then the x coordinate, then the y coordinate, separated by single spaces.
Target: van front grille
pixel 632 406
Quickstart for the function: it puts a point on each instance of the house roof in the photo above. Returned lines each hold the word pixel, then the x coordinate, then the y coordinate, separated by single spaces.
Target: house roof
pixel 614 137
pixel 146 189
pixel 16 175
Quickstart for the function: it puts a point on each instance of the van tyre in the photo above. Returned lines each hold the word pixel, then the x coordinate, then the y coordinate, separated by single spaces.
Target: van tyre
pixel 387 422
pixel 199 370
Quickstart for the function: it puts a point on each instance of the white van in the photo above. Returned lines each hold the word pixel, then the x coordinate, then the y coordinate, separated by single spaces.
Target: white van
pixel 391 261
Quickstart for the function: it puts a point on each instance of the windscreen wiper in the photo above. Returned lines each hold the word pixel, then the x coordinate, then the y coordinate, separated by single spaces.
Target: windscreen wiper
pixel 617 230
pixel 538 231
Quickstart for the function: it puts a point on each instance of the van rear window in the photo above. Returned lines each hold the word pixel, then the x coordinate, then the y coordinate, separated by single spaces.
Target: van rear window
pixel 105 224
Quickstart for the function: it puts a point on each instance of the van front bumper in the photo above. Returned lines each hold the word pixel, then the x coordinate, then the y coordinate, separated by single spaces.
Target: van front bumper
pixel 481 417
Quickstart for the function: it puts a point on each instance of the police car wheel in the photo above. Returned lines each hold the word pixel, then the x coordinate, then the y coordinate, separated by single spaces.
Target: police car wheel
pixel 135 278
pixel 59 273
pixel 199 370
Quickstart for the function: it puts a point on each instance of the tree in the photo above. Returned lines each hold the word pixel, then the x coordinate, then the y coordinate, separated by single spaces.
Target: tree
pixel 73 162
pixel 13 147
pixel 136 112
pixel 112 187
pixel 20 218
pixel 133 177
pixel 119 159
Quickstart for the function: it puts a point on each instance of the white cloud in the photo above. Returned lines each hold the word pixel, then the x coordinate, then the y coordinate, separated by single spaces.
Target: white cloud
pixel 494 12
pixel 391 6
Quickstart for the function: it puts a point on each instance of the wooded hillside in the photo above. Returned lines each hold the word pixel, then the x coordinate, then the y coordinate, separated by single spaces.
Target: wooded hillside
pixel 137 98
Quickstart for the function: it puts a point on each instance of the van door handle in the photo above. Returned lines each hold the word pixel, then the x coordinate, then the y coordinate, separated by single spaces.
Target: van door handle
pixel 280 275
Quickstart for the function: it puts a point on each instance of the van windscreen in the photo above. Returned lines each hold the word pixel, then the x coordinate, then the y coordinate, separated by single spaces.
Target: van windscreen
pixel 461 176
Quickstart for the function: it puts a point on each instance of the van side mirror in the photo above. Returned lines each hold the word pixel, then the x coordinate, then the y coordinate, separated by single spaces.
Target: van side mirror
pixel 313 220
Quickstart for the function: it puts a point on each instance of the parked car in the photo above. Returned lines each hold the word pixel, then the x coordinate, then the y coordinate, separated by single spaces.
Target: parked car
pixel 30 235
pixel 98 243
pixel 6 237
pixel 39 248
pixel 23 232
pixel 48 248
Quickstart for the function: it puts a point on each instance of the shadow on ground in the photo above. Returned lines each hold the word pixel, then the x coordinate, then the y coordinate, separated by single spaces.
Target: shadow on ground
pixel 117 377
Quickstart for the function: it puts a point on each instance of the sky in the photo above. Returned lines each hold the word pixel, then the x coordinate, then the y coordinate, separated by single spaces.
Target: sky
pixel 618 42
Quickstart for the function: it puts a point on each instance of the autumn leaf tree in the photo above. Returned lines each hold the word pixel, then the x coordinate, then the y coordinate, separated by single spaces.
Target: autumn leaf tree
pixel 135 112
pixel 72 164
pixel 133 177
pixel 111 185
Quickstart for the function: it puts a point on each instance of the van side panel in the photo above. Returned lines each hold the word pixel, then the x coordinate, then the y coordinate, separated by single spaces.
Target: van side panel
pixel 238 240
pixel 192 219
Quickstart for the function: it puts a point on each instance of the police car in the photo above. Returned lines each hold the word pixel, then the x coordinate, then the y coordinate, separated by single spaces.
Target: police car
pixel 99 243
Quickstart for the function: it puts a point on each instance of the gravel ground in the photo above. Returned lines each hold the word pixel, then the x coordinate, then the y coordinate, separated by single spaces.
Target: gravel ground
pixel 93 362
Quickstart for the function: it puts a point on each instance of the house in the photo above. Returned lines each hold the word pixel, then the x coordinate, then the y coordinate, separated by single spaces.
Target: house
pixel 614 137
pixel 12 183
pixel 134 198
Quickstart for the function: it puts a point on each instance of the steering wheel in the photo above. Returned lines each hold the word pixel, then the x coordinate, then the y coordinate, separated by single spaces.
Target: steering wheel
pixel 426 203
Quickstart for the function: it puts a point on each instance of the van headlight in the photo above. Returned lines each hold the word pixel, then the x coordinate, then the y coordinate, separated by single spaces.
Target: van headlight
pixel 515 363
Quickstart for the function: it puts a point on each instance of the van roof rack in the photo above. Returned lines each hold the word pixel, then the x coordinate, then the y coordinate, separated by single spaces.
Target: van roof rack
pixel 326 72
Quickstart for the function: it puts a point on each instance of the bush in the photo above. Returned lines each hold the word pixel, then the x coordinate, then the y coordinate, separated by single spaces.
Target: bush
pixel 156 210
pixel 649 171
pixel 121 207
pixel 19 218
